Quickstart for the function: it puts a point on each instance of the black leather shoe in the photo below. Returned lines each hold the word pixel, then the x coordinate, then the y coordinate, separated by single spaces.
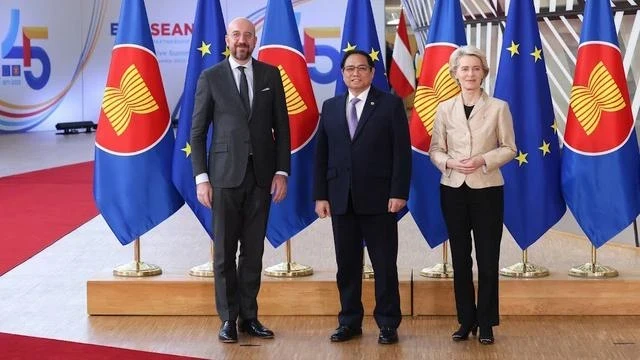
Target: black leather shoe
pixel 463 332
pixel 388 336
pixel 344 333
pixel 486 336
pixel 253 327
pixel 228 332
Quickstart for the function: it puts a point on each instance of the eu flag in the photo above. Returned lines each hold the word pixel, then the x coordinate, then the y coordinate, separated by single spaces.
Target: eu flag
pixel 134 141
pixel 435 85
pixel 532 192
pixel 281 47
pixel 207 48
pixel 600 160
pixel 359 32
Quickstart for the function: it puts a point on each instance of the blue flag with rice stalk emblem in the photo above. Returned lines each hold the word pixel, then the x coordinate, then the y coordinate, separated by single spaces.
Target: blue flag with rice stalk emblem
pixel 600 160
pixel 435 85
pixel 281 47
pixel 134 141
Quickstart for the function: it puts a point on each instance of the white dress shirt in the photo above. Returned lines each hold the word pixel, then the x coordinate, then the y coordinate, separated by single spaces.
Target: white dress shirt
pixel 360 104
pixel 248 70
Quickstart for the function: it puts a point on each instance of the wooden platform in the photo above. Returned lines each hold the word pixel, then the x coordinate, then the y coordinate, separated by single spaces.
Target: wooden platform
pixel 174 294
pixel 557 294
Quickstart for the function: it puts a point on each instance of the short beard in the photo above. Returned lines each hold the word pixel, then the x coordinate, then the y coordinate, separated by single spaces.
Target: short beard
pixel 236 53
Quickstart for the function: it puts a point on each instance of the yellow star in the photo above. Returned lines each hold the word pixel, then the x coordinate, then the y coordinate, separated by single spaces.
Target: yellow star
pixel 522 158
pixel 374 55
pixel 537 54
pixel 204 48
pixel 226 52
pixel 187 150
pixel 555 126
pixel 545 148
pixel 513 49
pixel 349 47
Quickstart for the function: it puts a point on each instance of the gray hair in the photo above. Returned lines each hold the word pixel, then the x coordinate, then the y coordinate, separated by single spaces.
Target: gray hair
pixel 468 50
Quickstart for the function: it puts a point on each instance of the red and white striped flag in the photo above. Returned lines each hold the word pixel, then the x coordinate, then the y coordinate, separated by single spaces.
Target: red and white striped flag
pixel 402 75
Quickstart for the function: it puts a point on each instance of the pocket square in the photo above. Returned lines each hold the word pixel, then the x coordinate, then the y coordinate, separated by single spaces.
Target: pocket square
pixel 266 89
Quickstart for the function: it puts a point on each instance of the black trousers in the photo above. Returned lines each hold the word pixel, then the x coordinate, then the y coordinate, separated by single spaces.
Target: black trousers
pixel 480 211
pixel 239 216
pixel 381 234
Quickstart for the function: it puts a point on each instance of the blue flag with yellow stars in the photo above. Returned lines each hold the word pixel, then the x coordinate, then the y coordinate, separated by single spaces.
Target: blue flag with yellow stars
pixel 134 140
pixel 533 196
pixel 359 32
pixel 600 159
pixel 207 48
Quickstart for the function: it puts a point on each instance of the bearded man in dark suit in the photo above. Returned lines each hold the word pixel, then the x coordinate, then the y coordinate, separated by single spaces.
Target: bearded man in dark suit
pixel 247 167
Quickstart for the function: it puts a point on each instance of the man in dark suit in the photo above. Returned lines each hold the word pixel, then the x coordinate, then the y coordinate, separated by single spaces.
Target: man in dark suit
pixel 362 173
pixel 249 161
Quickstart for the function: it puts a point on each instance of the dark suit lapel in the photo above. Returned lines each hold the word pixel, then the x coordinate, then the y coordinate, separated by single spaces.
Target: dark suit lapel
pixel 342 116
pixel 482 101
pixel 258 82
pixel 367 111
pixel 458 110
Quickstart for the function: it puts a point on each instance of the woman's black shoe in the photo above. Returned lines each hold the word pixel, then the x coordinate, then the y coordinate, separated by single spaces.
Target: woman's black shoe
pixel 486 336
pixel 463 332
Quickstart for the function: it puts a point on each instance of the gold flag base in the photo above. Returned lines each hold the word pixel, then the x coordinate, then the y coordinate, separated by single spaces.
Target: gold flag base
pixel 442 271
pixel 137 269
pixel 288 269
pixel 367 272
pixel 524 270
pixel 204 270
pixel 593 270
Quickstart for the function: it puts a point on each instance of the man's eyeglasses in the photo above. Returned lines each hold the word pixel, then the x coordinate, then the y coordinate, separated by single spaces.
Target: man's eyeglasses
pixel 352 69
pixel 236 35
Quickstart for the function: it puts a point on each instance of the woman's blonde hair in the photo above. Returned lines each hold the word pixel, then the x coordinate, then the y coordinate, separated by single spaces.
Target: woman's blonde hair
pixel 468 50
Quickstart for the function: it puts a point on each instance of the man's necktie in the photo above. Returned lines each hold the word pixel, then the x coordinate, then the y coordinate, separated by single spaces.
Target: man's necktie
pixel 244 89
pixel 352 118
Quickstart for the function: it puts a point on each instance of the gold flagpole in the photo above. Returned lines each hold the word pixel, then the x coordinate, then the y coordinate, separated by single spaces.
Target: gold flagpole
pixel 206 269
pixel 524 269
pixel 593 269
pixel 137 268
pixel 288 268
pixel 443 270
pixel 367 270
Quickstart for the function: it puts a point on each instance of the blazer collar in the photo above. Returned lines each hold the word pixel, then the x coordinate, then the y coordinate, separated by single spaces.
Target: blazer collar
pixel 459 106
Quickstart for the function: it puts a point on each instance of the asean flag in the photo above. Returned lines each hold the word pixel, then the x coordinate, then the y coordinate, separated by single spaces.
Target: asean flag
pixel 600 160
pixel 281 47
pixel 435 85
pixel 132 182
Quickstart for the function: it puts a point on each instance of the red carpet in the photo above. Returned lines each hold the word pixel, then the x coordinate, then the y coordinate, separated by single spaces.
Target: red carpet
pixel 17 347
pixel 40 207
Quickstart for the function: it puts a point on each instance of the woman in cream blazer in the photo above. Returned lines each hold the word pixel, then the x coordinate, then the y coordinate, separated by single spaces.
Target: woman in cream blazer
pixel 472 138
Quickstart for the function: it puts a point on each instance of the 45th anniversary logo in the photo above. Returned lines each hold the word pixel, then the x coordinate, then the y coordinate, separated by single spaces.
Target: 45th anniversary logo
pixel 13 70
